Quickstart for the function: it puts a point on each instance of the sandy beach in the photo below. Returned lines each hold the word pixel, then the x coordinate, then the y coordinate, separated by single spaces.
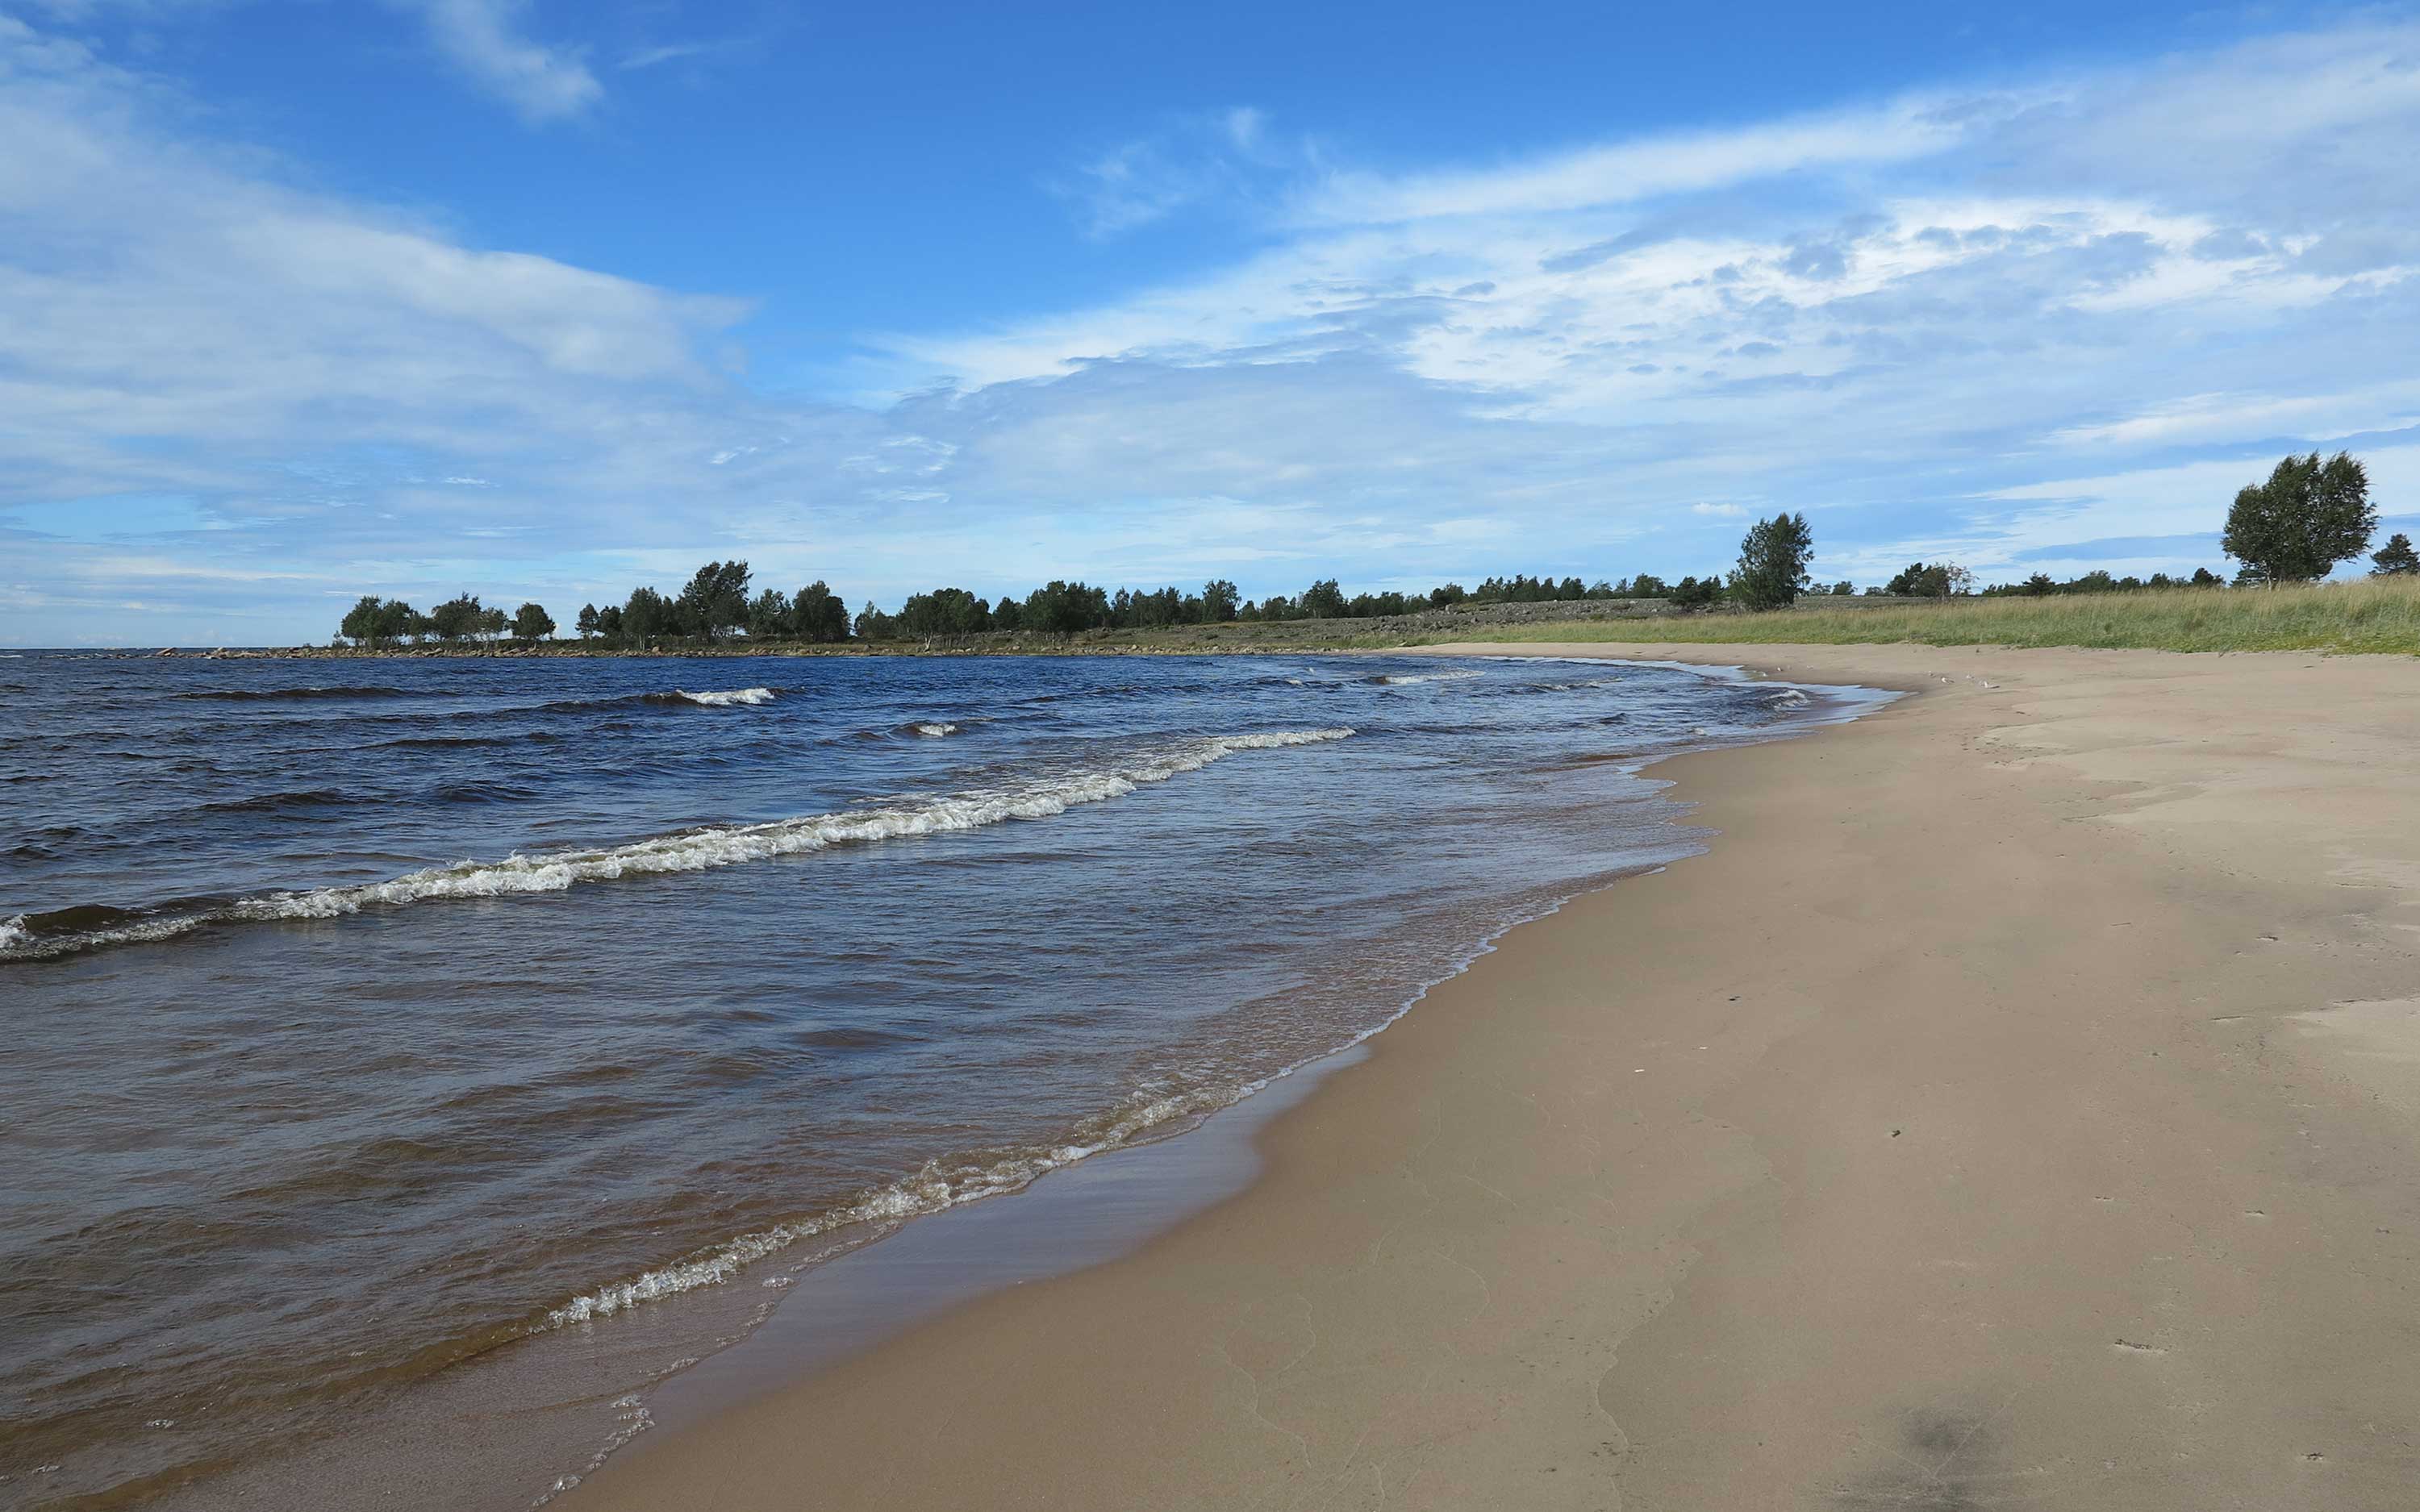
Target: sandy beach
pixel 2016 1107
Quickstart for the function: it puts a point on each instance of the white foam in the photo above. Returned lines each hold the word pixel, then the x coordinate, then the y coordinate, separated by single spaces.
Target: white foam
pixel 697 850
pixel 726 699
pixel 935 729
pixel 1404 679
pixel 930 1190
pixel 14 932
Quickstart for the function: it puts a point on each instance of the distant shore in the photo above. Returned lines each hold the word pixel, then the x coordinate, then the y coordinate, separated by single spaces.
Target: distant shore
pixel 2370 616
pixel 2015 1105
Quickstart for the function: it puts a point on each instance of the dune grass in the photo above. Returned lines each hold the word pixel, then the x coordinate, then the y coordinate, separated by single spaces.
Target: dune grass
pixel 2372 616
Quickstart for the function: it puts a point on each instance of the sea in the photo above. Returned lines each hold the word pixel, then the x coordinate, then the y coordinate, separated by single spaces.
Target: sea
pixel 367 1020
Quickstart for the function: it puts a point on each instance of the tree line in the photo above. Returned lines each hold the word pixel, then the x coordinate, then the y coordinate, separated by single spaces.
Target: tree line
pixel 375 620
pixel 2309 516
pixel 719 602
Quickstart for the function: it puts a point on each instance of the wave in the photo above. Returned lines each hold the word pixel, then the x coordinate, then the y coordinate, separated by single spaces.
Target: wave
pixel 255 695
pixel 30 937
pixel 931 1189
pixel 1405 679
pixel 714 700
pixel 932 729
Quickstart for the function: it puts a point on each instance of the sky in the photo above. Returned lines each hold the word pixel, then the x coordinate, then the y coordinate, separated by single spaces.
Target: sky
pixel 302 299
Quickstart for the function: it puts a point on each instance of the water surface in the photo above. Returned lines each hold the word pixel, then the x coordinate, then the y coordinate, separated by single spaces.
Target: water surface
pixel 365 1016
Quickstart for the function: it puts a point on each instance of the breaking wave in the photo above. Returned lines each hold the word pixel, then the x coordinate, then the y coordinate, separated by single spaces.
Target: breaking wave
pixel 30 937
pixel 1406 679
pixel 714 700
pixel 933 728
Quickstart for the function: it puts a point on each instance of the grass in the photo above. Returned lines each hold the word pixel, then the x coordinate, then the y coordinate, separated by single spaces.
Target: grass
pixel 2371 616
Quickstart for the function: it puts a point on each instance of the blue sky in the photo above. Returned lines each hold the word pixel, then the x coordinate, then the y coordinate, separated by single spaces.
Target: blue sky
pixel 534 300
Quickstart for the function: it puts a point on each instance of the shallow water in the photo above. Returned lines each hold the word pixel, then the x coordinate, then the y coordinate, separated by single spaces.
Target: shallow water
pixel 366 1016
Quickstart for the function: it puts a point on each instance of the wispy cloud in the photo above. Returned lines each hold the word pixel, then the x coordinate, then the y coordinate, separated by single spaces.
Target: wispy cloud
pixel 484 41
pixel 1226 157
pixel 691 51
pixel 1625 173
pixel 1996 323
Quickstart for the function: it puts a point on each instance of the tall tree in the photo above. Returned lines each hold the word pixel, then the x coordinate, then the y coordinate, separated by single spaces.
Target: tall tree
pixel 873 625
pixel 459 618
pixel 715 603
pixel 361 622
pixel 1220 599
pixel 532 622
pixel 398 619
pixel 770 616
pixel 2395 559
pixel 586 624
pixel 2308 516
pixel 647 615
pixel 1774 554
pixel 819 613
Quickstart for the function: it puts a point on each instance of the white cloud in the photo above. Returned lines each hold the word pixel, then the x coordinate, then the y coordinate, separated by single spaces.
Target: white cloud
pixel 2221 418
pixel 1627 172
pixel 1986 324
pixel 482 39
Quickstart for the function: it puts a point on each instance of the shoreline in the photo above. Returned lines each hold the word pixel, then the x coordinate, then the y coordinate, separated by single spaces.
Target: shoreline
pixel 858 1287
pixel 1535 1249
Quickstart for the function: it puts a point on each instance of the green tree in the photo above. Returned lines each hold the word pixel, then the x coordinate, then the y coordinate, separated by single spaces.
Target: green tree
pixel 2308 516
pixel 1771 570
pixel 1062 608
pixel 873 625
pixel 2204 577
pixel 1695 593
pixel 586 624
pixel 715 602
pixel 1844 589
pixel 1938 580
pixel 1008 614
pixel 457 618
pixel 609 622
pixel 2395 559
pixel 769 617
pixel 532 622
pixel 647 615
pixel 1220 599
pixel 819 615
pixel 944 612
pixel 1322 600
pixel 360 623
pixel 493 623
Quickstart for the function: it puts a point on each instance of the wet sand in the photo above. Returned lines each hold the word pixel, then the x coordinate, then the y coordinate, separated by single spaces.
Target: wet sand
pixel 2017 1107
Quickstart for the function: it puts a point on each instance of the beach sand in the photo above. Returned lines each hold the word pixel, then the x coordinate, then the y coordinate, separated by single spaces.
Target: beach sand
pixel 2018 1107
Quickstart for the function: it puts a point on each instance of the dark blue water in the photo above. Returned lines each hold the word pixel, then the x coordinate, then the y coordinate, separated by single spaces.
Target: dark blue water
pixel 364 1016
